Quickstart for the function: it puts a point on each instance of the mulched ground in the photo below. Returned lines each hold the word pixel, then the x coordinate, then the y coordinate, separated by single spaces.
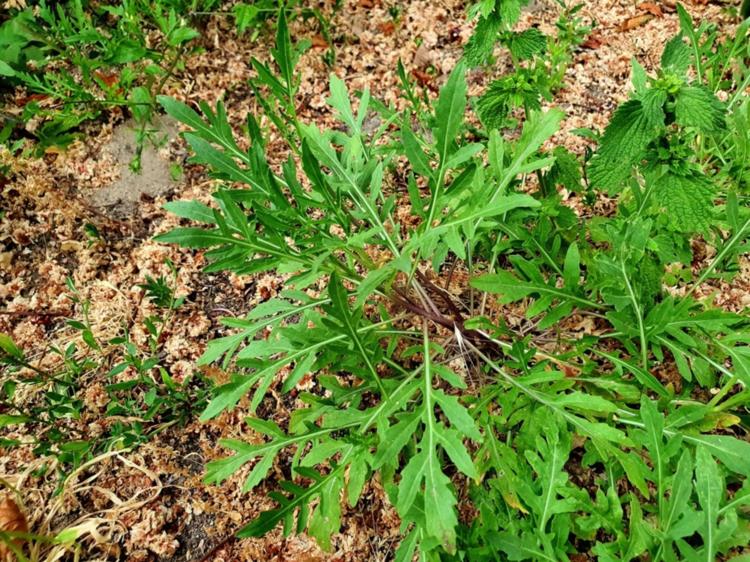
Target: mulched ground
pixel 150 504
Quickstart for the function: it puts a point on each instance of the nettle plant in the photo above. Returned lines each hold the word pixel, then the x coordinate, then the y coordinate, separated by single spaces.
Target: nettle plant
pixel 538 61
pixel 551 438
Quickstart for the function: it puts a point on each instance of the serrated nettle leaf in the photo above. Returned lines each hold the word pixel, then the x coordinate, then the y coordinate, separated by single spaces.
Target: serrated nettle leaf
pixel 676 55
pixel 638 76
pixel 625 139
pixel 482 42
pixel 697 106
pixel 526 44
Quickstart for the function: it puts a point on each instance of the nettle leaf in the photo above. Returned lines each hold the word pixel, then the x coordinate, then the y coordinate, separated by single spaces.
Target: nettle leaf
pixel 624 141
pixel 509 10
pixel 502 96
pixel 696 106
pixel 482 42
pixel 495 15
pixel 653 101
pixel 687 200
pixel 638 76
pixel 527 44
pixel 677 56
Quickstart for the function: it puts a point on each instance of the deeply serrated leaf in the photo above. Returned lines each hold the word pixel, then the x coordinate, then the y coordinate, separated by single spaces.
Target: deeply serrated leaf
pixel 696 106
pixel 527 44
pixel 625 139
pixel 688 200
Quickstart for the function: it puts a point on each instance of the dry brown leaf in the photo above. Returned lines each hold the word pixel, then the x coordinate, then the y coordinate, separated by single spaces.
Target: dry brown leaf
pixel 216 375
pixel 11 520
pixel 651 8
pixel 594 41
pixel 636 21
pixel 367 4
pixel 387 27
pixel 319 42
pixel 108 79
pixel 23 100
pixel 422 77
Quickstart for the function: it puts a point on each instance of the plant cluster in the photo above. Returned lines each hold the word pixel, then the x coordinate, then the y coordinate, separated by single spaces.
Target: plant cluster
pixel 538 61
pixel 76 60
pixel 622 438
pixel 146 402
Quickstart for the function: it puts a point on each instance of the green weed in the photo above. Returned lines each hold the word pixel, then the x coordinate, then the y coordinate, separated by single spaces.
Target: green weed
pixel 149 401
pixel 621 440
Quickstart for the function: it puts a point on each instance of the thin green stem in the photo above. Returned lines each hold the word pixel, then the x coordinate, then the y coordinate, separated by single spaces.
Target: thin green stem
pixel 719 257
pixel 639 316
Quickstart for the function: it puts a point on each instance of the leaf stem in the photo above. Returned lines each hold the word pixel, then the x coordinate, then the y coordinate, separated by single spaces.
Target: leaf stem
pixel 639 316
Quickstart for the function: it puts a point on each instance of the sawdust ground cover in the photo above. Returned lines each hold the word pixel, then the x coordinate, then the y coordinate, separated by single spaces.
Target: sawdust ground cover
pixel 590 432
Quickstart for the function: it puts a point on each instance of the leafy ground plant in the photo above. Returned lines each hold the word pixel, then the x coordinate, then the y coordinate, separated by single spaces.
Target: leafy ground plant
pixel 141 399
pixel 525 384
pixel 74 61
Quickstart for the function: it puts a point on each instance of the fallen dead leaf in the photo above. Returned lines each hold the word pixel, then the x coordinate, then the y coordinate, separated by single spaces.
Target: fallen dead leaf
pixel 319 42
pixel 216 375
pixel 108 79
pixel 594 41
pixel 422 77
pixel 11 521
pixel 23 100
pixel 651 8
pixel 387 27
pixel 635 22
pixel 367 4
